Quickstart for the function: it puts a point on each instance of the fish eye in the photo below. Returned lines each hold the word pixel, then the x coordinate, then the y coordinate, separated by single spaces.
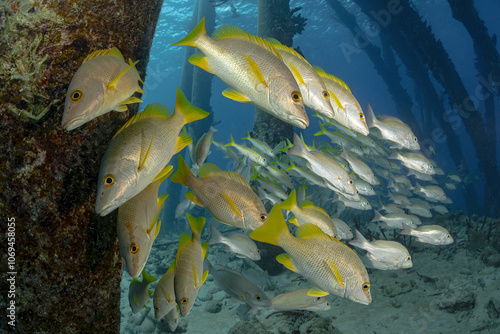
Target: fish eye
pixel 325 94
pixel 371 188
pixel 327 304
pixel 258 251
pixel 361 116
pixel 430 166
pixel 108 180
pixel 366 286
pixel 408 258
pixel 318 298
pixel 184 300
pixel 296 97
pixel 415 139
pixel 76 94
pixel 263 217
pixel 258 297
pixel 448 236
pixel 157 308
pixel 350 181
pixel 134 248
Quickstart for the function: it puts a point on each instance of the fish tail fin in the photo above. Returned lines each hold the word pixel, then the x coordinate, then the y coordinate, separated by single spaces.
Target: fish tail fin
pixel 291 202
pixel 418 187
pixel 196 224
pixel 360 240
pixel 322 131
pixel 194 35
pixel 215 236
pixel 183 172
pixel 377 216
pixel 231 142
pixel 147 277
pixel 298 147
pixel 189 112
pixel 394 155
pixel 406 229
pixel 371 121
pixel 343 153
pixel 273 230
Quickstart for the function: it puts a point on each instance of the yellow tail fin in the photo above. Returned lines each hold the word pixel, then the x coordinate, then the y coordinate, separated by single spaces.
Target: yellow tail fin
pixel 273 230
pixel 190 39
pixel 183 172
pixel 189 112
pixel 291 202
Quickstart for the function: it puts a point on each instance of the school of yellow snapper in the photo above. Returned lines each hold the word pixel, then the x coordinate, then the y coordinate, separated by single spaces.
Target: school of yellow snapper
pixel 360 153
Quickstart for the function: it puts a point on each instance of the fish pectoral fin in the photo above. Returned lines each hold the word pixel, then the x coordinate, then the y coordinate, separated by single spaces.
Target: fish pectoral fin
pixel 195 276
pixel 182 141
pixel 204 277
pixel 164 174
pixel 254 71
pixel 192 197
pixel 201 61
pixel 285 260
pixel 121 107
pixel 220 221
pixel 336 100
pixel 335 271
pixel 235 95
pixel 130 100
pixel 136 301
pixel 232 205
pixel 316 292
pixel 112 84
pixel 145 141
pixel 293 221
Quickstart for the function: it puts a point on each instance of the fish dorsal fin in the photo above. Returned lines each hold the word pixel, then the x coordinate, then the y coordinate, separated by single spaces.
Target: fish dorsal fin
pixel 296 73
pixel 196 223
pixel 309 231
pixel 316 292
pixel 232 205
pixel 255 70
pixel 323 74
pixel 234 177
pixel 204 248
pixel 335 271
pixel 208 169
pixel 164 174
pixel 307 204
pixel 192 197
pixel 156 109
pixel 230 31
pixel 285 260
pixel 204 277
pixel 113 51
pixel 281 47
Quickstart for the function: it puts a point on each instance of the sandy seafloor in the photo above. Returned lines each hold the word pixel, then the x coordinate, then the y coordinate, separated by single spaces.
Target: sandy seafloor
pixel 450 289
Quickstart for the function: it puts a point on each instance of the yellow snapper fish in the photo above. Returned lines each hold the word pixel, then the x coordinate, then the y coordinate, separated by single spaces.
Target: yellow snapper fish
pixel 324 261
pixel 227 196
pixel 138 226
pixel 308 213
pixel 202 148
pixel 252 69
pixel 394 130
pixel 164 295
pixel 299 300
pixel 343 230
pixel 389 252
pixel 432 193
pixel 237 243
pixel 140 150
pixel 429 234
pixel 104 82
pixel 328 169
pixel 348 112
pixel 189 274
pixel 138 293
pixel 312 88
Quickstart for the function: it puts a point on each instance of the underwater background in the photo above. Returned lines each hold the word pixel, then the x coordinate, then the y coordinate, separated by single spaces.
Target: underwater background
pixel 450 288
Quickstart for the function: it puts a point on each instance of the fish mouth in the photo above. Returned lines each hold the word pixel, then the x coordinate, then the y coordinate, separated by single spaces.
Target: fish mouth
pixel 299 122
pixel 105 210
pixel 72 124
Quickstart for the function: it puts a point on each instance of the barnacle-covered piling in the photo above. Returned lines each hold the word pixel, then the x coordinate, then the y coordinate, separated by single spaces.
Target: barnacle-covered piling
pixel 66 257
